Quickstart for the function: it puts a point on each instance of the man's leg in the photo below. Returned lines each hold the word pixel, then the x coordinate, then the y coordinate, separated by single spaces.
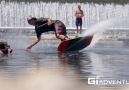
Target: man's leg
pixel 62 37
pixel 77 29
pixel 81 26
pixel 80 29
pixel 61 31
pixel 77 24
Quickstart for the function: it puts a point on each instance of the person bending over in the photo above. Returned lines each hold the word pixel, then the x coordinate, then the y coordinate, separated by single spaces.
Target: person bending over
pixel 43 25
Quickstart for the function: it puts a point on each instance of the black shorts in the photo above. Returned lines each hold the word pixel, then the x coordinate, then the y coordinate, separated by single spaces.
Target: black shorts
pixel 78 21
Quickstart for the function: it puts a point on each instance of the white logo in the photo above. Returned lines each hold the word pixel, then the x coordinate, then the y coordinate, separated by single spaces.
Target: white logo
pixel 98 81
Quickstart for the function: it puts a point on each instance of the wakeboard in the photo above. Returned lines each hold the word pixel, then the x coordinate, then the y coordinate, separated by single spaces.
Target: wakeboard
pixel 75 44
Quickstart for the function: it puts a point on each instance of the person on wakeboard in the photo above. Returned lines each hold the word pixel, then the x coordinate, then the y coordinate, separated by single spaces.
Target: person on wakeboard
pixel 43 25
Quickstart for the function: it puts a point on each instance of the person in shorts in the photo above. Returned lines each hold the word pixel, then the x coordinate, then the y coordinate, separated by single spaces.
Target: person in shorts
pixel 79 14
pixel 43 25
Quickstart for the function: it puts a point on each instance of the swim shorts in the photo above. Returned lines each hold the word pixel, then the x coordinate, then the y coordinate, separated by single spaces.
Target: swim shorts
pixel 78 21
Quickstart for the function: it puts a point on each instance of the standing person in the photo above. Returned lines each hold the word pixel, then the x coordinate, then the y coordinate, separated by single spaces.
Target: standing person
pixel 43 25
pixel 79 14
pixel 4 48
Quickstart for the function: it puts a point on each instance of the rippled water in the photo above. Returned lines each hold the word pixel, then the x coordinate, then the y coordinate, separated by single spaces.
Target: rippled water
pixel 106 59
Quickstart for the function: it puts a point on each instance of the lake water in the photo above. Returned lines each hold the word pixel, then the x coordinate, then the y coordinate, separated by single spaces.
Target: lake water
pixel 107 59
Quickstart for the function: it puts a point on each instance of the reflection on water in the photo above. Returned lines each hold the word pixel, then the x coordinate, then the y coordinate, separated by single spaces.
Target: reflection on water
pixel 107 63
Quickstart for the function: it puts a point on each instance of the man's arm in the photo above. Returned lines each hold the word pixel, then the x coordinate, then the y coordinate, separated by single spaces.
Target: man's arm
pixel 34 43
pixel 82 13
pixel 49 22
pixel 75 13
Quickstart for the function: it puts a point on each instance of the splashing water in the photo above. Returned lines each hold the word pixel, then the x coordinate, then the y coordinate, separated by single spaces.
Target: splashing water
pixel 98 29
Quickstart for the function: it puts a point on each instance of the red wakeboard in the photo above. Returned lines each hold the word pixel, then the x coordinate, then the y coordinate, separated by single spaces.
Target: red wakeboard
pixel 75 44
